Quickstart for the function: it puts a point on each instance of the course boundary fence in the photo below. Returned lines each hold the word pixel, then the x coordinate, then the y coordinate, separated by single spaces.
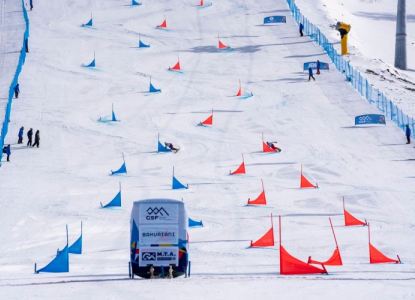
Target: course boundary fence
pixel 22 59
pixel 361 84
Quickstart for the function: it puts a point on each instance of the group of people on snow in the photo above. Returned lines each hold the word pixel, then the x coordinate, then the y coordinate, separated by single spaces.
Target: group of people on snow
pixel 6 149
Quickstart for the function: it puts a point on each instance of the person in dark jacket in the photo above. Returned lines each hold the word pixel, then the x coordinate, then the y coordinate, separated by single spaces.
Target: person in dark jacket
pixel 20 141
pixel 16 91
pixel 408 134
pixel 26 43
pixel 310 74
pixel 29 136
pixel 318 67
pixel 37 139
pixel 31 4
pixel 8 152
pixel 301 29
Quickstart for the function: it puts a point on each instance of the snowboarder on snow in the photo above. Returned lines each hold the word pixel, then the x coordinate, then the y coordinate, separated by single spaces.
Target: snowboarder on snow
pixel 20 141
pixel 29 136
pixel 170 146
pixel 318 67
pixel 310 74
pixel 273 147
pixel 408 134
pixel 6 150
pixel 37 139
pixel 301 28
pixel 16 91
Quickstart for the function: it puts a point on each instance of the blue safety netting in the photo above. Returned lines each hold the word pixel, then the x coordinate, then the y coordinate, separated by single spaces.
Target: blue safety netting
pixel 15 80
pixel 361 84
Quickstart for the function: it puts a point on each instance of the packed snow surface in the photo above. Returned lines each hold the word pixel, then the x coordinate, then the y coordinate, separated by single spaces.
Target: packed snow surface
pixel 64 181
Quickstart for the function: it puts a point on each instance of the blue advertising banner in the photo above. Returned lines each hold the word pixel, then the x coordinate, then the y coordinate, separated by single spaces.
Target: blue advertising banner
pixel 313 65
pixel 275 19
pixel 370 119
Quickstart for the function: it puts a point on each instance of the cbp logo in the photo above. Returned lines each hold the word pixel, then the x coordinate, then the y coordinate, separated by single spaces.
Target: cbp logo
pixel 148 256
pixel 156 213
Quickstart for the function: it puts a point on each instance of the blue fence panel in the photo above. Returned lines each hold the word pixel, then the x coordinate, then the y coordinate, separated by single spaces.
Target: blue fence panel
pixel 361 84
pixel 22 59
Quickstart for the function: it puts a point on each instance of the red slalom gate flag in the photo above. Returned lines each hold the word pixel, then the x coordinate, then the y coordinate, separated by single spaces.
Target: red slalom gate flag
pixel 261 200
pixel 221 45
pixel 240 90
pixel 289 265
pixel 377 257
pixel 176 66
pixel 335 259
pixel 267 240
pixel 349 220
pixel 208 121
pixel 241 169
pixel 164 24
pixel 265 147
pixel 305 183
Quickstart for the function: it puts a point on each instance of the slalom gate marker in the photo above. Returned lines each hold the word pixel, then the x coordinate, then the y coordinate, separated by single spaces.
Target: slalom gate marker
pixel 268 239
pixel 116 202
pixel 261 200
pixel 221 45
pixel 275 19
pixel 164 24
pixel 289 265
pixel 241 169
pixel 114 119
pixel 370 119
pixel 349 220
pixel 160 147
pixel 176 66
pixel 153 89
pixel 335 259
pixel 177 185
pixel 141 44
pixel 135 3
pixel 89 23
pixel 376 257
pixel 60 263
pixel 121 170
pixel 76 247
pixel 92 64
pixel 202 4
pixel 193 223
pixel 208 121
pixel 304 183
pixel 163 239
pixel 313 65
pixel 268 149
pixel 239 94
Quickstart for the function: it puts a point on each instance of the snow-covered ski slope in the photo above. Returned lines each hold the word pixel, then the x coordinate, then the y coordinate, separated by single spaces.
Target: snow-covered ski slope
pixel 64 181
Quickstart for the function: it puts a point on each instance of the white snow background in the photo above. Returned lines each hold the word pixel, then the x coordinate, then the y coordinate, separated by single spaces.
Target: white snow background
pixel 64 181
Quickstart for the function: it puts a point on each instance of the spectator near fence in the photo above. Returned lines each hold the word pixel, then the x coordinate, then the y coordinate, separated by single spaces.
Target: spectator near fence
pixel 408 134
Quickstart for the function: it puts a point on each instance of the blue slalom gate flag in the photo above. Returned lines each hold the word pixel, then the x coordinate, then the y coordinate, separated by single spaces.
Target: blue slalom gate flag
pixel 275 19
pixel 370 119
pixel 313 65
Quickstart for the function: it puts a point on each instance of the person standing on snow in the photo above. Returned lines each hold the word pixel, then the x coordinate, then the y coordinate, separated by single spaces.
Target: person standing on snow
pixel 37 139
pixel 16 91
pixel 29 136
pixel 31 4
pixel 301 29
pixel 318 67
pixel 20 141
pixel 408 134
pixel 310 74
pixel 6 150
